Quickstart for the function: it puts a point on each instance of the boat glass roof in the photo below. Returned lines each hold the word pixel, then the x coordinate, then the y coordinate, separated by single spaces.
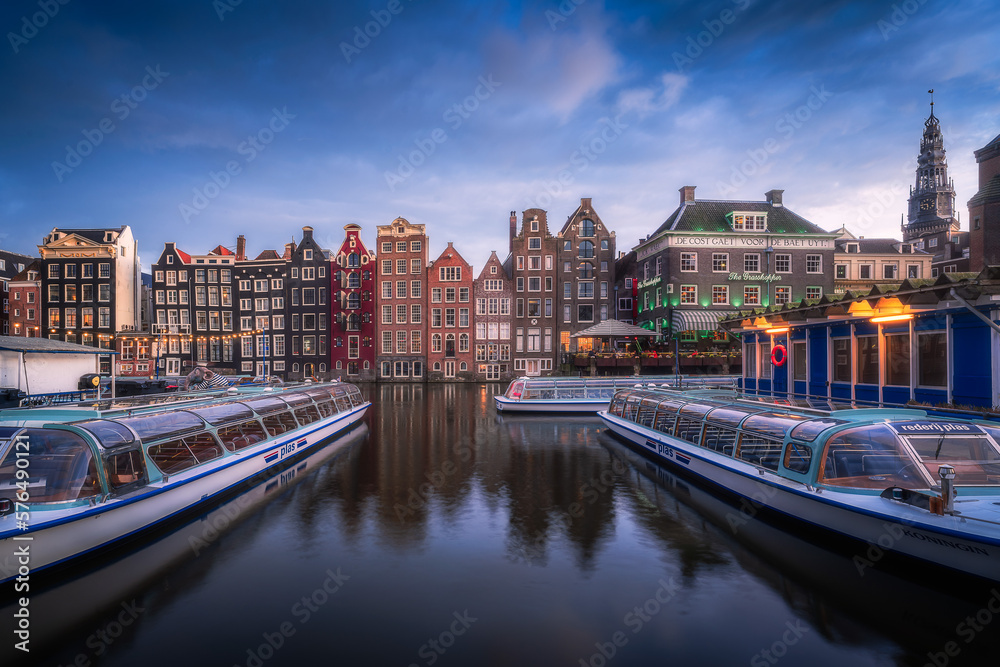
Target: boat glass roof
pixel 151 427
pixel 265 404
pixel 774 424
pixel 729 416
pixel 295 398
pixel 222 413
pixel 108 433
pixel 810 430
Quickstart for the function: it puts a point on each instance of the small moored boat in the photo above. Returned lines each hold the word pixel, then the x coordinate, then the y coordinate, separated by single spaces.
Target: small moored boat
pixel 922 487
pixel 578 394
pixel 77 478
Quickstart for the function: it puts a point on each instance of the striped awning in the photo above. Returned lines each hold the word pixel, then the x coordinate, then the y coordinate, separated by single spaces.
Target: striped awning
pixel 697 320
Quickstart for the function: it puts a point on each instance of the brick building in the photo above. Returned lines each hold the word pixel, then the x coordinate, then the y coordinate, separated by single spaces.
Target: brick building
pixel 25 294
pixel 984 210
pixel 450 283
pixel 401 301
pixel 493 294
pixel 307 290
pixel 11 264
pixel 353 307
pixel 532 267
pixel 586 264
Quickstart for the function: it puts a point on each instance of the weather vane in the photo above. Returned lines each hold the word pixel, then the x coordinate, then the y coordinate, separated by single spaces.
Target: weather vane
pixel 931 91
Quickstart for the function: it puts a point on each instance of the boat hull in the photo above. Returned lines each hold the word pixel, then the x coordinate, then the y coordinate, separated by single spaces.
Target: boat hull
pixel 593 406
pixel 55 537
pixel 877 524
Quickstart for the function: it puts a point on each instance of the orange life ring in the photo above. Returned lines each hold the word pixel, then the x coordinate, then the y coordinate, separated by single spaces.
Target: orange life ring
pixel 784 355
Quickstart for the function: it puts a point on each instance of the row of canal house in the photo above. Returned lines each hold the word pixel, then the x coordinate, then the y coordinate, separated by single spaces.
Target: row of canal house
pixel 933 342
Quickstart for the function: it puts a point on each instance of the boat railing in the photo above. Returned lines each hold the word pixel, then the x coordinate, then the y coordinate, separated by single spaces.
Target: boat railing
pixel 56 398
pixel 828 403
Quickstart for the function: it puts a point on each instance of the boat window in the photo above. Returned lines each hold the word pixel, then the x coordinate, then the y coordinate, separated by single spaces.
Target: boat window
pixel 343 403
pixel 356 397
pixel 61 467
pixel 774 424
pixel 326 408
pixel 108 433
pixel 183 453
pixel 869 457
pixel 223 413
pixel 265 405
pixel 810 430
pixel 697 409
pixel 570 390
pixel 974 457
pixel 152 427
pixel 307 415
pixel 125 469
pixel 514 390
pixel 244 434
pixel 647 411
pixel 631 409
pixel 798 456
pixel 317 394
pixel 617 404
pixel 728 416
pixel 719 439
pixel 338 390
pixel 295 399
pixel 279 423
pixel 760 451
pixel 689 429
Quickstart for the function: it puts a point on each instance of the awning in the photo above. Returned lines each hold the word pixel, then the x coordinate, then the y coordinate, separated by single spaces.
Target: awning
pixel 698 320
pixel 612 328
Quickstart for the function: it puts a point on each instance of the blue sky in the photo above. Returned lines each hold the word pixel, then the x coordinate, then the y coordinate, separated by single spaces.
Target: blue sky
pixel 197 121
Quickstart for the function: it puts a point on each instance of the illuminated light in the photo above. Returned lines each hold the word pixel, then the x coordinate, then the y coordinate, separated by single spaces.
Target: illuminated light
pixel 778 330
pixel 891 318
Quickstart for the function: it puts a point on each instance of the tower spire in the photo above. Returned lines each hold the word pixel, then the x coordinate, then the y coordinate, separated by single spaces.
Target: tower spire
pixel 931 91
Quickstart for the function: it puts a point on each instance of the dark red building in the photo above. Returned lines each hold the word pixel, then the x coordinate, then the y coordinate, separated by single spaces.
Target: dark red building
pixel 450 280
pixel 353 308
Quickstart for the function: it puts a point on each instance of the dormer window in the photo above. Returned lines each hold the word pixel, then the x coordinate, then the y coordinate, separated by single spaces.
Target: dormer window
pixel 748 222
pixel 852 247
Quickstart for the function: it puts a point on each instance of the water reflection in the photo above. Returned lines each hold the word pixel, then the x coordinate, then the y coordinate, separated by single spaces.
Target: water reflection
pixel 78 615
pixel 817 583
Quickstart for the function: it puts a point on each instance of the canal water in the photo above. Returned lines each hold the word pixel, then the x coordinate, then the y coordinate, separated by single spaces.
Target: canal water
pixel 440 533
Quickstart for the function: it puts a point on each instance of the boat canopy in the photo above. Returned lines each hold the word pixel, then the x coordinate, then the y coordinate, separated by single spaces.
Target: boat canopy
pixel 601 388
pixel 858 449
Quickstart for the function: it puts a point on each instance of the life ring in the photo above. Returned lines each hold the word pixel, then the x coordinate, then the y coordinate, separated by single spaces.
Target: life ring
pixel 784 355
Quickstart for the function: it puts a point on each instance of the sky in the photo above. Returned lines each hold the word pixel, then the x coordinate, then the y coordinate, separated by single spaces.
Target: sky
pixel 197 121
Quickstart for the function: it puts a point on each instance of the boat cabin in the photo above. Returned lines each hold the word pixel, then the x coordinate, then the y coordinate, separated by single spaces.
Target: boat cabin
pixel 863 450
pixel 103 449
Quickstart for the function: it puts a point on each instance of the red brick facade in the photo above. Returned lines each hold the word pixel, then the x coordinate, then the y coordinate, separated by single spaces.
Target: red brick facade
pixel 401 301
pixel 450 326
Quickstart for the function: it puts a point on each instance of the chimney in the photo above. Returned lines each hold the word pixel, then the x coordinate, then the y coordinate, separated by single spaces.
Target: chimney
pixel 241 248
pixel 513 230
pixel 687 194
pixel 307 233
pixel 585 204
pixel 773 197
pixel 289 249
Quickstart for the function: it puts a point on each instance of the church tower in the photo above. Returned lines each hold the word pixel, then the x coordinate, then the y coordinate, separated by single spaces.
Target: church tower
pixel 932 199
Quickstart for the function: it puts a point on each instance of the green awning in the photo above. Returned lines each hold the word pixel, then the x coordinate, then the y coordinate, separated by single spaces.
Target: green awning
pixel 698 320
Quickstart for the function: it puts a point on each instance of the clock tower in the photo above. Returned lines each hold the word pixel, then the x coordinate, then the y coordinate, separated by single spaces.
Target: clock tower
pixel 932 198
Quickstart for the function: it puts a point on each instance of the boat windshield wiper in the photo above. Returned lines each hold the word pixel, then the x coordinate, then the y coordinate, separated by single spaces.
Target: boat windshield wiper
pixel 937 452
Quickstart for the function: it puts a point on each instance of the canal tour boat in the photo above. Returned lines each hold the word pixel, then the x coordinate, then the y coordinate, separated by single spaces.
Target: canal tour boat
pixel 77 478
pixel 578 394
pixel 892 480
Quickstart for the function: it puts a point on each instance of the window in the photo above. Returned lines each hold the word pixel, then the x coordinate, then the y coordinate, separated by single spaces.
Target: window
pixel 585 312
pixel 814 292
pixel 586 249
pixel 890 271
pixel 450 273
pixel 689 294
pixel 689 261
pixel 586 290
pixel 912 270
pixel 897 358
pixel 53 270
pixel 841 359
pixel 386 267
pixel 387 246
pixel 415 314
pixel 720 294
pixel 865 271
pixel 401 289
pixel 814 264
pixel 534 243
pixel 782 294
pixel 751 263
pixel 932 243
pixel 435 317
pixel 401 313
pixel 783 263
pixel 746 222
pixel 841 271
pixel 534 284
pixel 401 266
pixel 720 262
pixel 932 359
pixel 751 295
pixel 463 317
pixel 867 356
pixel 534 307
pixel 534 262
pixel 414 246
pixel 308 273
pixel 587 227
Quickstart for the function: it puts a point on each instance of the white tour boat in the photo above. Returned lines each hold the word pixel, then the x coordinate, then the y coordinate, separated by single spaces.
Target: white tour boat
pixel 591 394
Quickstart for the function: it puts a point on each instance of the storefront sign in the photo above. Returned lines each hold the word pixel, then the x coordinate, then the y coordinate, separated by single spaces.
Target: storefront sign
pixel 755 277
pixel 651 282
pixel 752 241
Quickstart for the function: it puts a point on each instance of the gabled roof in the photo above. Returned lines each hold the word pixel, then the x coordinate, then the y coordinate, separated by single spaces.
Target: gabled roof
pixel 267 254
pixel 875 246
pixel 708 215
pixel 493 260
pixel 220 250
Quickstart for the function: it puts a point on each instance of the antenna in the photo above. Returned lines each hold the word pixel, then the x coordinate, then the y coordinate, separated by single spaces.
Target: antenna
pixel 931 91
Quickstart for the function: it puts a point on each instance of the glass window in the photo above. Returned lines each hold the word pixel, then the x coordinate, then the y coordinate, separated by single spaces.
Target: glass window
pixel 841 359
pixel 867 360
pixel 870 456
pixel 932 359
pixel 897 355
pixel 63 468
pixel 799 360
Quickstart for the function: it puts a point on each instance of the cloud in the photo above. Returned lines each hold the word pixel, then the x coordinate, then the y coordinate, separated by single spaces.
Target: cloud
pixel 653 99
